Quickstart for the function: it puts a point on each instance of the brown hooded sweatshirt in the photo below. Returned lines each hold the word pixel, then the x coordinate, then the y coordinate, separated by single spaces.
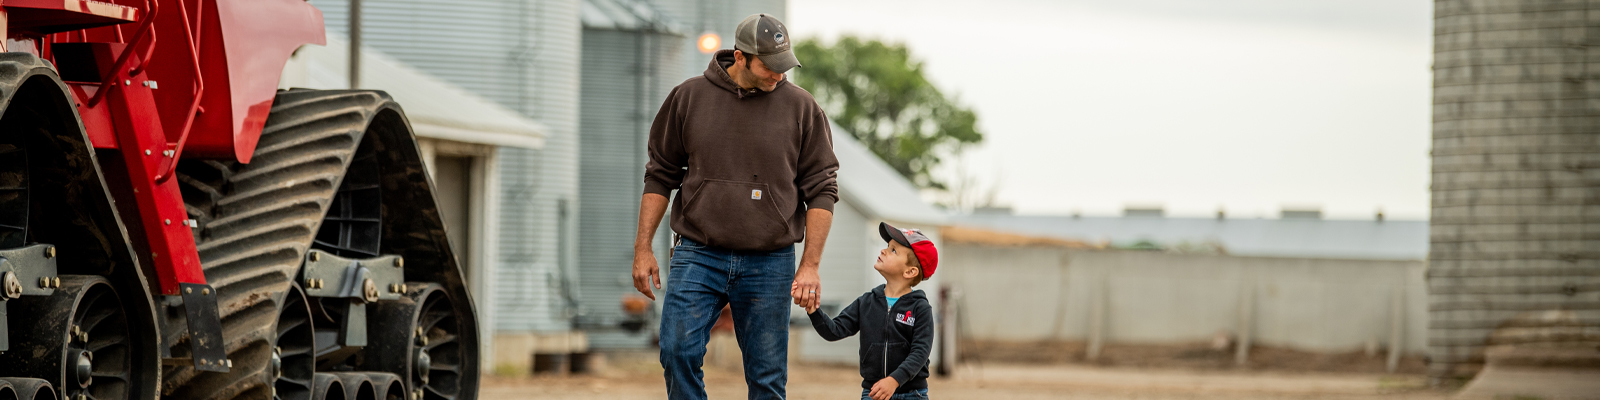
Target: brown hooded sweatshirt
pixel 747 163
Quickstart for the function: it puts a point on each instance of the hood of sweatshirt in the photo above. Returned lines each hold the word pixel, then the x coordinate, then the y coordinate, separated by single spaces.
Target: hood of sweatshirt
pixel 717 73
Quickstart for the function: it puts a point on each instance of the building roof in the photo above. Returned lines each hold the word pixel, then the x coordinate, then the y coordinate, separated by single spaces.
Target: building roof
pixel 965 234
pixel 627 15
pixel 869 184
pixel 435 108
pixel 1292 237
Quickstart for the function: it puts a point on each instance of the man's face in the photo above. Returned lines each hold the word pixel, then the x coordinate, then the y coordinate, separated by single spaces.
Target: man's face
pixel 758 76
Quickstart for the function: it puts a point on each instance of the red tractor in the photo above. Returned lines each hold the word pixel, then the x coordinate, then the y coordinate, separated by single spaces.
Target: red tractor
pixel 173 225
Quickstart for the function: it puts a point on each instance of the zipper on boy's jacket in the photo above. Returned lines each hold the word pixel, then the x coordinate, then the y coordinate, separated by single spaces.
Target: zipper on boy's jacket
pixel 888 324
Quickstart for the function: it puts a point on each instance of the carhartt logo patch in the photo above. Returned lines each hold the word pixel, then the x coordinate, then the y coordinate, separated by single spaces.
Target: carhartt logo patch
pixel 755 194
pixel 905 319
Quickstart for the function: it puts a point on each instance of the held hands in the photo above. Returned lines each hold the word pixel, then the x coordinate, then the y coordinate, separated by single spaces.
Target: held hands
pixel 807 289
pixel 793 290
pixel 645 272
pixel 884 389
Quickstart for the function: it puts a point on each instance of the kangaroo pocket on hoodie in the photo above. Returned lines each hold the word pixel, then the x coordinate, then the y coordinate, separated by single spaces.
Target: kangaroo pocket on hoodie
pixel 737 215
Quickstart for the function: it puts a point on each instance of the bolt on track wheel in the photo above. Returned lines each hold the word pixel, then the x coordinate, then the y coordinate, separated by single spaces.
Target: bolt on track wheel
pixel 80 336
pixel 293 364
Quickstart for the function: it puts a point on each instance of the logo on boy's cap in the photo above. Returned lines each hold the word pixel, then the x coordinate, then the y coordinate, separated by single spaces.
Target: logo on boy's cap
pixel 921 246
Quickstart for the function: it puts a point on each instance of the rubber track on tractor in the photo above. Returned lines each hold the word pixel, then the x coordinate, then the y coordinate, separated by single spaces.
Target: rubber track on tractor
pixel 256 223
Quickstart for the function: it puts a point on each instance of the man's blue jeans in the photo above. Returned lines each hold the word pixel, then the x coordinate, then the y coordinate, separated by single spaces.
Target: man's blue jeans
pixel 756 285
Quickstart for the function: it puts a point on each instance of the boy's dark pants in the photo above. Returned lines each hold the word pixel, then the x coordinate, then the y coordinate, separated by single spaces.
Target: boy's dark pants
pixel 756 285
pixel 919 394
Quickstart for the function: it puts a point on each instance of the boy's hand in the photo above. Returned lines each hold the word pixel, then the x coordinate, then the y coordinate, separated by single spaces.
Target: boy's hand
pixel 884 389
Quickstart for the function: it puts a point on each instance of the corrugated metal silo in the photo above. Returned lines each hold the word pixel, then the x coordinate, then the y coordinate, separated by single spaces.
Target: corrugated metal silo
pixel 630 56
pixel 1516 153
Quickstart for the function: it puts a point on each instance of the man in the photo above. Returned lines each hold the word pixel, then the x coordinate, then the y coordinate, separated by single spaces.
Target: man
pixel 751 156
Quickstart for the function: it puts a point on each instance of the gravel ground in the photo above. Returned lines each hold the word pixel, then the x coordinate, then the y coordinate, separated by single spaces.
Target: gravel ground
pixel 638 376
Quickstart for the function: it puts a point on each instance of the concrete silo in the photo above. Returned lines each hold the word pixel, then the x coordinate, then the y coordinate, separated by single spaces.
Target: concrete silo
pixel 1515 254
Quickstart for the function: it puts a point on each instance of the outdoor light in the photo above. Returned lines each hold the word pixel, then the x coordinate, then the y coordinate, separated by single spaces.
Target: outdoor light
pixel 710 42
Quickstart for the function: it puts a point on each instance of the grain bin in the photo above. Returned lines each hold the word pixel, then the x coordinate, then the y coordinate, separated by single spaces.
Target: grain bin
pixel 1516 179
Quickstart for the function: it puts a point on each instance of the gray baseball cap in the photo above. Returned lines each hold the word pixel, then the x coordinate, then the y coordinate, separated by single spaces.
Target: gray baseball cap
pixel 764 36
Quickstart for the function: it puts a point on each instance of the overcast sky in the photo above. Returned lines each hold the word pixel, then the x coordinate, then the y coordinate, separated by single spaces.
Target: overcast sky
pixel 1247 105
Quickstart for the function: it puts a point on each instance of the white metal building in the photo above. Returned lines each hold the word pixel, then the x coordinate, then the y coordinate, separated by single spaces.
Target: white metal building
pixel 1291 236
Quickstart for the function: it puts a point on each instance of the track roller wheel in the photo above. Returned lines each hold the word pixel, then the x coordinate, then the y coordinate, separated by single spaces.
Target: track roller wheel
pixel 371 385
pixel 81 336
pixel 327 386
pixel 420 338
pixel 389 386
pixel 293 365
pixel 26 389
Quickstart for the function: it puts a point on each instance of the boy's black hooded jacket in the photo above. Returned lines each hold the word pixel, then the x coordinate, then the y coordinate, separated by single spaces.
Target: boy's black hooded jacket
pixel 893 343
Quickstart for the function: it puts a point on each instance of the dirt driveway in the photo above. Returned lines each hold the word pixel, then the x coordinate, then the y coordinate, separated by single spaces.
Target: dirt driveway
pixel 639 377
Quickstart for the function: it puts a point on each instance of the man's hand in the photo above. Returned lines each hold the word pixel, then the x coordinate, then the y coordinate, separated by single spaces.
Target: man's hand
pixel 795 289
pixel 884 389
pixel 651 207
pixel 807 288
pixel 645 272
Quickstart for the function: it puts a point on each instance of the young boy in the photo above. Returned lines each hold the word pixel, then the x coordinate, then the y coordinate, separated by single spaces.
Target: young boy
pixel 896 322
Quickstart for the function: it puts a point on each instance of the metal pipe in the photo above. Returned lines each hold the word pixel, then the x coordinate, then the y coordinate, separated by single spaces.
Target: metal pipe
pixel 1397 324
pixel 1247 321
pixel 355 44
pixel 1097 318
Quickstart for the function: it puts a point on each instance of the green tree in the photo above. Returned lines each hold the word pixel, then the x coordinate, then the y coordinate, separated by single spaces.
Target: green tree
pixel 877 91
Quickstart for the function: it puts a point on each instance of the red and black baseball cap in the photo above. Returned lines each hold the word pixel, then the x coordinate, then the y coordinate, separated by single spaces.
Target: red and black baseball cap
pixel 919 244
